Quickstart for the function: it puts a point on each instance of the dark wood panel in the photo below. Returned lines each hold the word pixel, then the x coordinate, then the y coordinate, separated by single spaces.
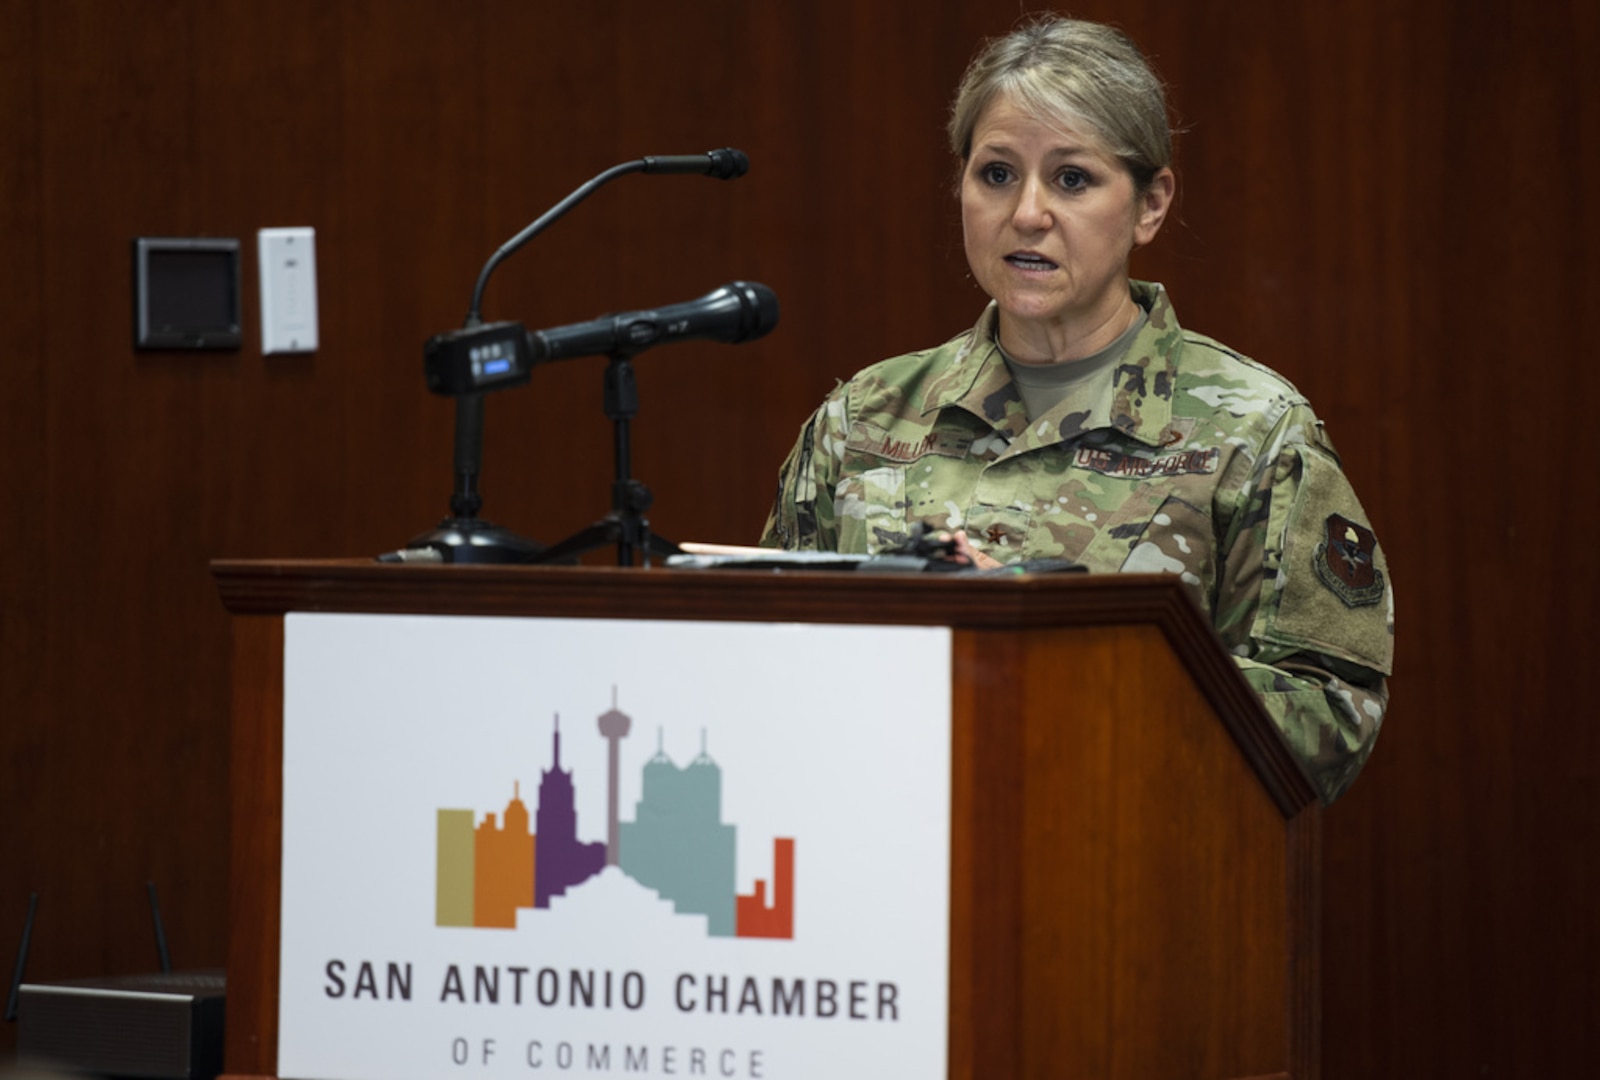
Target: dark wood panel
pixel 1136 759
pixel 29 757
pixel 986 903
pixel 1116 926
pixel 256 843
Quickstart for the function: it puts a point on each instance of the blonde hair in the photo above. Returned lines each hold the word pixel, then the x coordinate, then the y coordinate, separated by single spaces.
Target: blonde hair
pixel 1059 69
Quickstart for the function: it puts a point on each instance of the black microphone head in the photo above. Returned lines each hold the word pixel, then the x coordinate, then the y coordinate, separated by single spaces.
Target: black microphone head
pixel 727 164
pixel 760 306
pixel 723 164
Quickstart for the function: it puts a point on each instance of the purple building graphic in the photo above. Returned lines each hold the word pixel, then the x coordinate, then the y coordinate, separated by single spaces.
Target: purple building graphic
pixel 560 860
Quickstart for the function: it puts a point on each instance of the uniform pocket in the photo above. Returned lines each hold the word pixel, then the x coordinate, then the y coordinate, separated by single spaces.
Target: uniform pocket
pixel 870 507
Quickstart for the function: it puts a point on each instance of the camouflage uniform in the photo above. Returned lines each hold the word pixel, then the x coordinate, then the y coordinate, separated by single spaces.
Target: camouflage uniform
pixel 1195 461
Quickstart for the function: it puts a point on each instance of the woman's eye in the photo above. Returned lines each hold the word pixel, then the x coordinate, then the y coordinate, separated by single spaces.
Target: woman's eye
pixel 995 174
pixel 1074 179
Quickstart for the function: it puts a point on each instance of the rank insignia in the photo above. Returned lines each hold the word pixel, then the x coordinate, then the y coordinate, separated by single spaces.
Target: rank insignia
pixel 1344 562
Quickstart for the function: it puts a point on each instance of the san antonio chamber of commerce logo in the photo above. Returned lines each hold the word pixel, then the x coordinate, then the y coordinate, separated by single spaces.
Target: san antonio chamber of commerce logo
pixel 676 845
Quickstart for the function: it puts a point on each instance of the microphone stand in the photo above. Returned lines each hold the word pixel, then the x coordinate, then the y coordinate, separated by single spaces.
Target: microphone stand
pixel 463 537
pixel 626 526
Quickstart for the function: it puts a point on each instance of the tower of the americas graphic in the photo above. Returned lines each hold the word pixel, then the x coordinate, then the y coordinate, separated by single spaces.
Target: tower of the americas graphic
pixel 614 725
pixel 560 861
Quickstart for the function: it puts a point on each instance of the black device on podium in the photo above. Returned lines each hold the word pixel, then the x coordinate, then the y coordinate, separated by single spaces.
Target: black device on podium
pixel 165 1024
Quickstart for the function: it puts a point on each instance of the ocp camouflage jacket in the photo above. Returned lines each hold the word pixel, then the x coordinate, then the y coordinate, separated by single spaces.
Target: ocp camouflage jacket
pixel 1195 461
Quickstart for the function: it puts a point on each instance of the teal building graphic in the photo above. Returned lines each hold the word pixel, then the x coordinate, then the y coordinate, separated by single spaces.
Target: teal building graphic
pixel 677 843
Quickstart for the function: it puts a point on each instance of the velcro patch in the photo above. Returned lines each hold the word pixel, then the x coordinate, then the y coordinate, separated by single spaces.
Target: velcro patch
pixel 1112 463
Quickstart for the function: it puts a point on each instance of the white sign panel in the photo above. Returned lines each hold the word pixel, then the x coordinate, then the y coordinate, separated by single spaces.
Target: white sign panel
pixel 532 847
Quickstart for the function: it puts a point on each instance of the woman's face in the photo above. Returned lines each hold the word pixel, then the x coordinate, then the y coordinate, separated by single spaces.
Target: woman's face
pixel 1049 217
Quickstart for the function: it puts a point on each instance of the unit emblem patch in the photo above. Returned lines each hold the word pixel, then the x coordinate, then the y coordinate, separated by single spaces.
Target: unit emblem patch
pixel 1344 562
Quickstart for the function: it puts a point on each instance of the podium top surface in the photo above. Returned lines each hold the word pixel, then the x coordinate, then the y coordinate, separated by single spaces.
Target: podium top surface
pixel 269 587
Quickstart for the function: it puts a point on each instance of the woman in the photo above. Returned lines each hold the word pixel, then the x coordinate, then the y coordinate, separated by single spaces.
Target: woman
pixel 1077 420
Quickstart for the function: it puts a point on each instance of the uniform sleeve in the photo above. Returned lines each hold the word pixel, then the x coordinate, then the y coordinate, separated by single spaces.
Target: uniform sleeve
pixel 802 516
pixel 1305 603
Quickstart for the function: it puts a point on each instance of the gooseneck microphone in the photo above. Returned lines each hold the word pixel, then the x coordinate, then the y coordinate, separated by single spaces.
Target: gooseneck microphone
pixel 738 311
pixel 725 164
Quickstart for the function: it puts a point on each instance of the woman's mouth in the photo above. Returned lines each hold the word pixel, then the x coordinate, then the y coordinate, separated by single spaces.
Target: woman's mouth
pixel 1028 260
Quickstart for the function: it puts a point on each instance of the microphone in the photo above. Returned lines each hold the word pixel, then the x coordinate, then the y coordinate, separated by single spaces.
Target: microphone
pixel 726 164
pixel 500 355
pixel 738 311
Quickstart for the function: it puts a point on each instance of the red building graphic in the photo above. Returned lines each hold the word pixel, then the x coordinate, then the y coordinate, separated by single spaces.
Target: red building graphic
pixel 755 918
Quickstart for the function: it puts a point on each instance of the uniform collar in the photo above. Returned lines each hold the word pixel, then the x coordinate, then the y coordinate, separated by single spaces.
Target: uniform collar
pixel 1140 404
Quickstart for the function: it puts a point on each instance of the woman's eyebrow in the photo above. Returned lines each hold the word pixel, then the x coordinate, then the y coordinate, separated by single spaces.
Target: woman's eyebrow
pixel 1063 150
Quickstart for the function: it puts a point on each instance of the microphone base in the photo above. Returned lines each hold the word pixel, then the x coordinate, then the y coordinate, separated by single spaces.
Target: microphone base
pixel 628 533
pixel 473 540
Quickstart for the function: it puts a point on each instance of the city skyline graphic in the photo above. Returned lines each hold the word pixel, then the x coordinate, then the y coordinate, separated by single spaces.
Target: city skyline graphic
pixel 677 846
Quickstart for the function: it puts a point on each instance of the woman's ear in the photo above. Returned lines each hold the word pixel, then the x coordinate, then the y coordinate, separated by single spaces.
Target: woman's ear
pixel 1153 204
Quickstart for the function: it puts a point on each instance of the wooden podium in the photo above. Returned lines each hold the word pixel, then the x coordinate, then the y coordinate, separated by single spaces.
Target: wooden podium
pixel 1135 856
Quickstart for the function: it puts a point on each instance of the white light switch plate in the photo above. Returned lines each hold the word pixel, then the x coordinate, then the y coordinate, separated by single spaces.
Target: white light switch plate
pixel 288 261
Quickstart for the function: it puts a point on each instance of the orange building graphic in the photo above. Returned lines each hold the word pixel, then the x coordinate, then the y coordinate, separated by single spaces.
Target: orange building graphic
pixel 503 862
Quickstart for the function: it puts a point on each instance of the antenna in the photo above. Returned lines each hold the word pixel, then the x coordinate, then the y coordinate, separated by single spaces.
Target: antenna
pixel 161 934
pixel 22 959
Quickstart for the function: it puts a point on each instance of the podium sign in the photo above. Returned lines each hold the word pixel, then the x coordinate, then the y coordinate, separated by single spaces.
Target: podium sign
pixel 515 846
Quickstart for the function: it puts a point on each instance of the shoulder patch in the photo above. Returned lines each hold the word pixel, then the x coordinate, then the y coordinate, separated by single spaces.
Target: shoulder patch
pixel 1344 562
pixel 1329 589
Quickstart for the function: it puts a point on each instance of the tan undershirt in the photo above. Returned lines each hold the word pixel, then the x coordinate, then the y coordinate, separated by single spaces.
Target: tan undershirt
pixel 1082 383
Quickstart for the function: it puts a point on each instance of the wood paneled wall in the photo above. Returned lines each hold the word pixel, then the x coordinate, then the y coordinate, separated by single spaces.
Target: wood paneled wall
pixel 1388 202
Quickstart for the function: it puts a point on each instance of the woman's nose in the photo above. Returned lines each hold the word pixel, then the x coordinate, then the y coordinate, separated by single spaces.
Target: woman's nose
pixel 1033 207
